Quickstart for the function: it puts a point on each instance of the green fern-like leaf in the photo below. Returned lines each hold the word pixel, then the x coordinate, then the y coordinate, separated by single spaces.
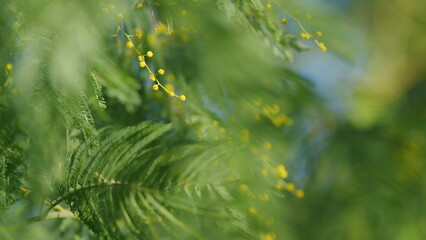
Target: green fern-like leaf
pixel 11 166
pixel 130 184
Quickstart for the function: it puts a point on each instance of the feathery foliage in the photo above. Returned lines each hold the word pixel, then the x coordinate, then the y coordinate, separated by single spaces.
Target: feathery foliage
pixel 75 81
pixel 172 119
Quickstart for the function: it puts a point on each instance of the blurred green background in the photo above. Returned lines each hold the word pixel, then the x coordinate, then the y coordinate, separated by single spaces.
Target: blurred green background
pixel 365 179
pixel 348 123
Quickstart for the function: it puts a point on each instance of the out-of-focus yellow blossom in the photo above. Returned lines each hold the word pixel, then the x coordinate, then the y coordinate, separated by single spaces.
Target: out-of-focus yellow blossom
pixel 244 187
pixel 321 46
pixel 300 193
pixel 306 36
pixel 290 187
pixel 252 211
pixel 269 236
pixel 161 28
pixel 281 171
pixel 267 146
pixel 264 197
pixel 9 67
pixel 254 150
pixel 169 87
pixel 138 33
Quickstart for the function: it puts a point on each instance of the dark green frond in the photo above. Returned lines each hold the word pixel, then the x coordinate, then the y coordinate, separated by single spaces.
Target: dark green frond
pixel 128 186
pixel 12 168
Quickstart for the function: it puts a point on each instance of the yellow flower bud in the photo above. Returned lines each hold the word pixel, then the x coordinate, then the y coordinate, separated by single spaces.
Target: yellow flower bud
pixel 9 67
pixel 129 44
pixel 322 47
pixel 281 171
pixel 300 193
pixel 290 187
pixel 306 36
pixel 252 210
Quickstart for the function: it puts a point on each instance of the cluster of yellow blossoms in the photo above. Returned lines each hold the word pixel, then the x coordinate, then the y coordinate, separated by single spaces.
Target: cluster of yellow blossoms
pixel 307 36
pixel 277 118
pixel 304 34
pixel 142 58
pixel 279 171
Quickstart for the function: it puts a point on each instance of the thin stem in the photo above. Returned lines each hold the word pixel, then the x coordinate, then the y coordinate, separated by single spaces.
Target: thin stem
pixel 153 18
pixel 147 67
